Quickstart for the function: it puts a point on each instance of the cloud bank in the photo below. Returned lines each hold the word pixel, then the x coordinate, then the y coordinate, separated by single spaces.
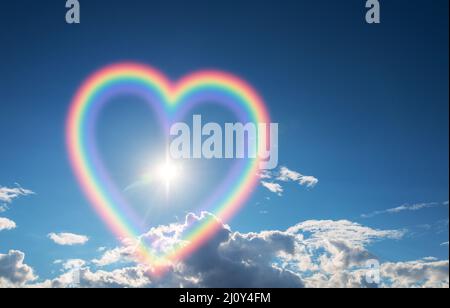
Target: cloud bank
pixel 314 253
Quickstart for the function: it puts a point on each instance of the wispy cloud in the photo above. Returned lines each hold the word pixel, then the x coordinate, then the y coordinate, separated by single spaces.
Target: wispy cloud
pixel 70 264
pixel 287 175
pixel 7 224
pixel 68 239
pixel 444 244
pixel 119 254
pixel 73 264
pixel 405 208
pixel 344 230
pixel 7 195
pixel 273 187
pixel 272 179
pixel 430 259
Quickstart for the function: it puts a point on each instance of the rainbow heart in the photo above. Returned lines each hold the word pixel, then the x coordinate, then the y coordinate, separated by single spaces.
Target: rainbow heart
pixel 169 100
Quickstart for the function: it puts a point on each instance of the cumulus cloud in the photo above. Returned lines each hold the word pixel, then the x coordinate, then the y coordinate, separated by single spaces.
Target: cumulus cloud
pixel 335 253
pixel 404 208
pixel 68 239
pixel 422 273
pixel 272 179
pixel 229 259
pixel 6 224
pixel 13 272
pixel 233 259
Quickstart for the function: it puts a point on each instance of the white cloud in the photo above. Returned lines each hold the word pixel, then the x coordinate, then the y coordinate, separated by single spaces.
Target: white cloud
pixel 315 253
pixel 404 208
pixel 119 254
pixel 68 239
pixel 344 230
pixel 7 224
pixel 7 195
pixel 265 174
pixel 287 175
pixel 13 272
pixel 271 179
pixel 273 187
pixel 444 244
pixel 334 252
pixel 422 273
pixel 73 264
pixel 129 277
pixel 70 264
pixel 430 259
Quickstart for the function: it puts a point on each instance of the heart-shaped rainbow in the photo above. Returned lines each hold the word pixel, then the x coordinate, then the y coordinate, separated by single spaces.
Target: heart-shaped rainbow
pixel 111 80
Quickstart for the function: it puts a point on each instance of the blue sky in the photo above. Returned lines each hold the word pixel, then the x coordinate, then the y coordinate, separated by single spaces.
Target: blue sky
pixel 362 108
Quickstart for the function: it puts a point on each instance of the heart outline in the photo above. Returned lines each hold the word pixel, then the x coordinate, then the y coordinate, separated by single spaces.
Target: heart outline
pixel 171 95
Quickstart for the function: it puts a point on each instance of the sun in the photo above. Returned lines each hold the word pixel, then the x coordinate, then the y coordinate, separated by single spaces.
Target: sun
pixel 168 173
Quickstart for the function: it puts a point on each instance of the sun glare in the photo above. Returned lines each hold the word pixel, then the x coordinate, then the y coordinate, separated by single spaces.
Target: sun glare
pixel 168 173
